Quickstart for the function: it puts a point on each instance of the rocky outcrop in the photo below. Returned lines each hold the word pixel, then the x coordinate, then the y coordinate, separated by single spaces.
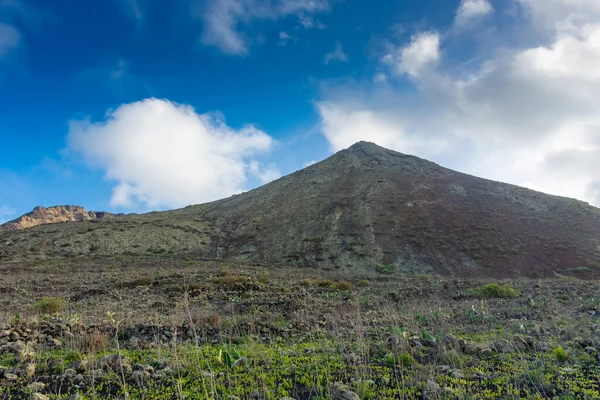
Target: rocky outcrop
pixel 51 215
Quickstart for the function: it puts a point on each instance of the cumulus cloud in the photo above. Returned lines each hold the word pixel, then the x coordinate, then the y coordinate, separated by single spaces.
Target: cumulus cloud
pixel 422 52
pixel 470 10
pixel 6 213
pixel 162 154
pixel 525 115
pixel 224 20
pixel 264 173
pixel 337 54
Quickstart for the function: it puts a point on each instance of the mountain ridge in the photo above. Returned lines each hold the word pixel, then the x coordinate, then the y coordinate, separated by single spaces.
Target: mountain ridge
pixel 363 207
pixel 51 215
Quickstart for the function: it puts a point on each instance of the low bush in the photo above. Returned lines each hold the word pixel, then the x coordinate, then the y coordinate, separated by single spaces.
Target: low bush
pixel 560 354
pixel 49 305
pixel 495 290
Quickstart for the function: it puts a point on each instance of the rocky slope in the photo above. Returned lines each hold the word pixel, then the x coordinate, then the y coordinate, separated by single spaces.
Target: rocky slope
pixel 365 207
pixel 51 215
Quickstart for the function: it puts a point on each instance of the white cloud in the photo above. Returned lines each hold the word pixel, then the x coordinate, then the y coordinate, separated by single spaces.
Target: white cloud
pixel 422 52
pixel 162 154
pixel 336 55
pixel 309 163
pixel 380 78
pixel 6 213
pixel 470 10
pixel 528 116
pixel 265 174
pixel 224 19
pixel 284 38
pixel 344 124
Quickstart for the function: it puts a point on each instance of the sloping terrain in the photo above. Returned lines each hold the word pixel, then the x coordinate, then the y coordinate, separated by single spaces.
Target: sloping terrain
pixel 365 207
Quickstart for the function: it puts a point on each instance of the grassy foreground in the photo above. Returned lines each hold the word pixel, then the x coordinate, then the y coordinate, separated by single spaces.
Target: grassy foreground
pixel 195 331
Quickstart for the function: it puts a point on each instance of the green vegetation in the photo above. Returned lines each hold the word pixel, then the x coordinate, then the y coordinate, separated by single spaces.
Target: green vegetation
pixel 386 269
pixel 495 290
pixel 49 305
pixel 560 354
pixel 203 331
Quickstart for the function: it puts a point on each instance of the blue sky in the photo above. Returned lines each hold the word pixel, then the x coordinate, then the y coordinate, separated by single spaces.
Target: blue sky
pixel 136 105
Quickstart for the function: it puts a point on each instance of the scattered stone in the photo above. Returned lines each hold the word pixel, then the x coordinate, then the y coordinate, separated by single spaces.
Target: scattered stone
pixel 116 362
pixel 36 387
pixel 457 374
pixel 75 396
pixel 29 370
pixel 207 374
pixel 39 396
pixel 432 387
pixel 79 365
pixel 140 375
pixel 341 392
pixel 9 376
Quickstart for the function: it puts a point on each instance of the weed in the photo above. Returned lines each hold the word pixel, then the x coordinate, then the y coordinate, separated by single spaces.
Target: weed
pixel 49 305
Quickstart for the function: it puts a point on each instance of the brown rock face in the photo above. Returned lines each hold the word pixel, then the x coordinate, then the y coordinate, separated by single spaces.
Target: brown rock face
pixel 51 215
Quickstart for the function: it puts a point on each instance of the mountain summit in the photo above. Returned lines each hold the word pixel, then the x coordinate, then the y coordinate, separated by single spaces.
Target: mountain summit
pixel 364 207
pixel 51 215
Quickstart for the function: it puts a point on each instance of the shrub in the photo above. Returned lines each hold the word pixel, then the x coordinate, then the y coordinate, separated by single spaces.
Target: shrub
pixel 49 305
pixel 385 269
pixel 213 320
pixel 560 354
pixel 343 286
pixel 143 281
pixel 453 358
pixel 406 359
pixel 95 341
pixel 593 265
pixel 306 282
pixel 495 290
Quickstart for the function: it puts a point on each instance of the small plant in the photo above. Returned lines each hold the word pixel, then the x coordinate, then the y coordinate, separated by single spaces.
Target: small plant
pixel 49 305
pixel 385 269
pixel 406 360
pixel 213 320
pixel 231 280
pixel 495 290
pixel 343 286
pixel 453 358
pixel 560 354
pixel 229 358
pixel 95 341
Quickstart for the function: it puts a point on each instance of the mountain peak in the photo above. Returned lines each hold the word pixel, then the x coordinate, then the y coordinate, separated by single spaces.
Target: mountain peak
pixel 51 215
